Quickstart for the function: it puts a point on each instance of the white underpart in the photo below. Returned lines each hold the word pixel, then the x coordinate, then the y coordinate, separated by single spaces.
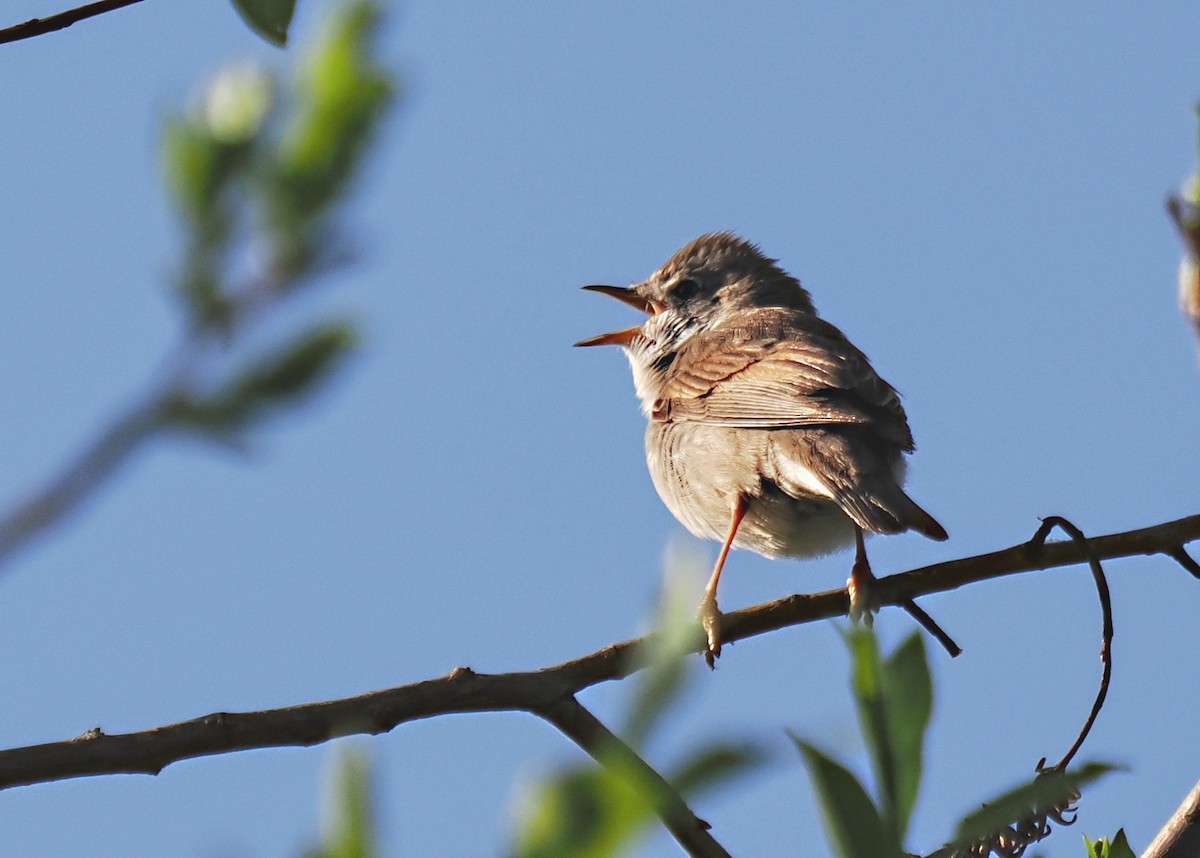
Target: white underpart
pixel 662 334
pixel 645 382
pixel 796 474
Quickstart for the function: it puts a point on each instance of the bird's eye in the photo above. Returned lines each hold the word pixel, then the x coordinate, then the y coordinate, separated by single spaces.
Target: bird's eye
pixel 684 289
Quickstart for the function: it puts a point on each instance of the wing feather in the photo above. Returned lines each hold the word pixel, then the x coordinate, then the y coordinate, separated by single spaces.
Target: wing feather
pixel 773 370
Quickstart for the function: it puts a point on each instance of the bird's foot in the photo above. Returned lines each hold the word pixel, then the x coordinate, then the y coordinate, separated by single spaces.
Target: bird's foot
pixel 710 621
pixel 864 601
pixel 861 587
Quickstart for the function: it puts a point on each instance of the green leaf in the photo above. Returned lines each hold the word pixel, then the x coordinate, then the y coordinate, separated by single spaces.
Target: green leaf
pixel 867 683
pixel 1046 790
pixel 654 692
pixel 296 367
pixel 583 812
pixel 349 831
pixel 339 96
pixel 908 692
pixel 1118 847
pixel 716 764
pixel 199 166
pixel 271 381
pixel 895 701
pixel 587 811
pixel 198 169
pixel 338 90
pixel 190 159
pixel 209 158
pixel 597 812
pixel 852 821
pixel 269 18
pixel 668 658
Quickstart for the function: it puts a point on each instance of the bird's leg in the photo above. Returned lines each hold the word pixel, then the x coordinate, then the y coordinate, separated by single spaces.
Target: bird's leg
pixel 861 580
pixel 862 600
pixel 710 614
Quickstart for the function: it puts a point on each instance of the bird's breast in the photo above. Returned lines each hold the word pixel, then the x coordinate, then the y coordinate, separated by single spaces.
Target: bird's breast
pixel 701 470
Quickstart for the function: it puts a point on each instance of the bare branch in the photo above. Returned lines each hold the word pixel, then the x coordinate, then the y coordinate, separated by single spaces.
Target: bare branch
pixel 150 751
pixel 950 575
pixel 41 26
pixel 96 753
pixel 585 730
pixel 1180 837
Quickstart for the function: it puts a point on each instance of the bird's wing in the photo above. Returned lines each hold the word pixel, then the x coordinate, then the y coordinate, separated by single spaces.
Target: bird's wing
pixel 760 374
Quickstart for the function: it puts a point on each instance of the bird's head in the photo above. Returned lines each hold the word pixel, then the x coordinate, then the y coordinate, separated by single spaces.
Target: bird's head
pixel 703 284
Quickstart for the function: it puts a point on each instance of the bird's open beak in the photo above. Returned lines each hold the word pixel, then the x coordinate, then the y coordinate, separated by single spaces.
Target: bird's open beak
pixel 625 295
pixel 624 336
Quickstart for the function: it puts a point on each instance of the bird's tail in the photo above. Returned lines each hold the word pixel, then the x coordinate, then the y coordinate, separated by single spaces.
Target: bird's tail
pixel 922 522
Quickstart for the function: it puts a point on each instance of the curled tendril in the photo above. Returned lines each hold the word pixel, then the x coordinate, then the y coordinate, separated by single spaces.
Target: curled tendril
pixel 1011 841
pixel 1102 591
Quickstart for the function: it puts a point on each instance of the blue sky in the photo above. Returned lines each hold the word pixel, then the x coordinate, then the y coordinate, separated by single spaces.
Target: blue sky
pixel 973 193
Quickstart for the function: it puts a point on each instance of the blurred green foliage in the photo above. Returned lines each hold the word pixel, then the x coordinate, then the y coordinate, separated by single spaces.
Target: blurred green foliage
pixel 1048 789
pixel 585 810
pixel 349 830
pixel 589 811
pixel 895 702
pixel 338 94
pixel 894 697
pixel 275 379
pixel 258 172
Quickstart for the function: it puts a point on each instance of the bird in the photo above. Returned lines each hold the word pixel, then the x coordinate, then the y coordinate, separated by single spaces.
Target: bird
pixel 767 429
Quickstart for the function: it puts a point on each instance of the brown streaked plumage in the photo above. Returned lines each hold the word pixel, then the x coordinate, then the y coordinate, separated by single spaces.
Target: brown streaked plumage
pixel 768 429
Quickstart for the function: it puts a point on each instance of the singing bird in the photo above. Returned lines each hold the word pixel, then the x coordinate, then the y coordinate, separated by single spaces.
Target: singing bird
pixel 768 429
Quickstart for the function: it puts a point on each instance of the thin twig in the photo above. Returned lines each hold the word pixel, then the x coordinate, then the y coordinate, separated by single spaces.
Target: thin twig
pixel 41 26
pixel 1039 539
pixel 1180 556
pixel 50 504
pixel 930 625
pixel 586 731
pixel 96 753
pixel 83 476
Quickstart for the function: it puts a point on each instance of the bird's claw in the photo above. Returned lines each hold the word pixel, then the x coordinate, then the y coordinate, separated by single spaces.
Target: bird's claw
pixel 863 598
pixel 710 621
